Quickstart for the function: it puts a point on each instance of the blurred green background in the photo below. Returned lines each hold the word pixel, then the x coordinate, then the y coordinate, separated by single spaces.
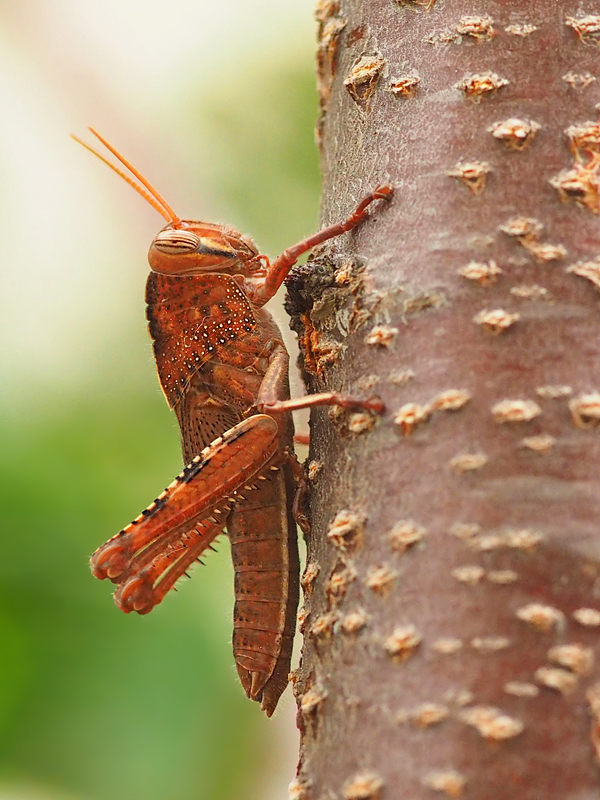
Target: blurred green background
pixel 216 104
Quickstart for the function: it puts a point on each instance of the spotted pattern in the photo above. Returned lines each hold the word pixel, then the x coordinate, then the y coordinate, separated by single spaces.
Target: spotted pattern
pixel 193 319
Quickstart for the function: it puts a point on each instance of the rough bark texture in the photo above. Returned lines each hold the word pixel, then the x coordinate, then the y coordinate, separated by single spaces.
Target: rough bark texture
pixel 439 610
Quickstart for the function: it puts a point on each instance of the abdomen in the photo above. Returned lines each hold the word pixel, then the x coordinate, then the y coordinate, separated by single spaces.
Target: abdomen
pixel 264 550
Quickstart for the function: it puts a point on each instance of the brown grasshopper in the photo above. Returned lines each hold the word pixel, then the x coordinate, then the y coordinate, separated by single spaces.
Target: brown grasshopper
pixel 223 367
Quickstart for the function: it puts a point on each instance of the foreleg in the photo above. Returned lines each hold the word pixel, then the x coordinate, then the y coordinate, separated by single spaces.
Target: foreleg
pixel 278 270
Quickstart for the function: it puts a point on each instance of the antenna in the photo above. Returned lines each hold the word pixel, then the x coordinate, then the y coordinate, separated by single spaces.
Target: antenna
pixel 151 196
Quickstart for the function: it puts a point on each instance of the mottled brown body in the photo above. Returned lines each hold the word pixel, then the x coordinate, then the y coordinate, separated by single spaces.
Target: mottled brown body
pixel 212 350
pixel 223 367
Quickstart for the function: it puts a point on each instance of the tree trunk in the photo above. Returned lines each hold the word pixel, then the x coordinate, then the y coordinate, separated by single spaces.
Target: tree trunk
pixel 451 613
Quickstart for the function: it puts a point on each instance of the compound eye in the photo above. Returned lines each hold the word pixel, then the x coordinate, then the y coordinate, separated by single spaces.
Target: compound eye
pixel 176 242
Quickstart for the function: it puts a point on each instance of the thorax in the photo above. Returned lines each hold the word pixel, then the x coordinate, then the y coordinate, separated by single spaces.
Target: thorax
pixel 197 320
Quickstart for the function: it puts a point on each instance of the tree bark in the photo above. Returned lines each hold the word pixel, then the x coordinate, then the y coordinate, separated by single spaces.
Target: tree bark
pixel 451 613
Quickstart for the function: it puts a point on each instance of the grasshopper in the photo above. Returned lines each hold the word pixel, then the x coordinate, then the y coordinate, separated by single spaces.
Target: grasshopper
pixel 223 368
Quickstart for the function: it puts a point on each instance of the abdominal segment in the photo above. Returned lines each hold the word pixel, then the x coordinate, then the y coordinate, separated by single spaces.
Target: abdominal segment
pixel 265 559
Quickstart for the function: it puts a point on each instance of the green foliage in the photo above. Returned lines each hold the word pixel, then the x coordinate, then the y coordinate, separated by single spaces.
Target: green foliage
pixel 106 705
pixel 260 150
pixel 94 704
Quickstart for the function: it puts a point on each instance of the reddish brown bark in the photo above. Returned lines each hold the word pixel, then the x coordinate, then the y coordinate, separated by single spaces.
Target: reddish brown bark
pixel 477 540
